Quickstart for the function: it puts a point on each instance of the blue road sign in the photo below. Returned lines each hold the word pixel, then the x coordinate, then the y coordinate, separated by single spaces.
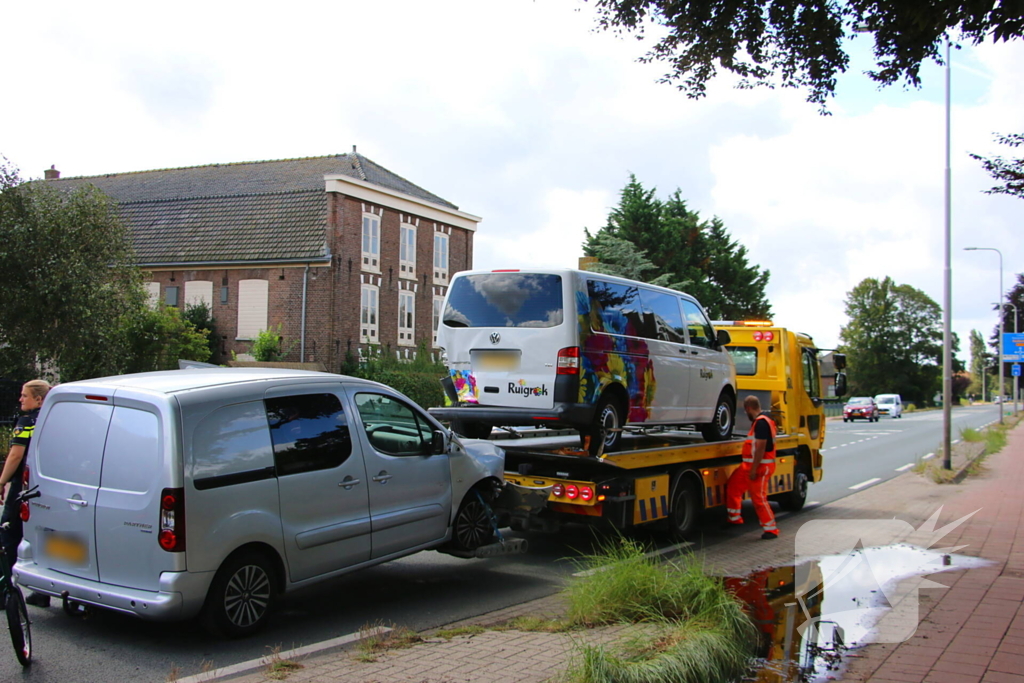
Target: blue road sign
pixel 1013 348
pixel 1015 368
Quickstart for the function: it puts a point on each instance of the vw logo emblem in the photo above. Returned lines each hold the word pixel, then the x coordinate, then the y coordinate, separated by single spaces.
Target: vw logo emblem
pixel 495 337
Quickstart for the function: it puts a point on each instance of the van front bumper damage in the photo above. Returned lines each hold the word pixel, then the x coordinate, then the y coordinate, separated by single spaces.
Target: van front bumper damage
pixel 166 604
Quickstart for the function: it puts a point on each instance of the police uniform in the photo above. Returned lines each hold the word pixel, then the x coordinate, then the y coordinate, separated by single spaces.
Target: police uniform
pixel 739 483
pixel 11 536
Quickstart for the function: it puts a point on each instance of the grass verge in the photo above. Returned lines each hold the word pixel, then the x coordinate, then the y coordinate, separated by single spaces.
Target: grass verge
pixel 377 639
pixel 278 668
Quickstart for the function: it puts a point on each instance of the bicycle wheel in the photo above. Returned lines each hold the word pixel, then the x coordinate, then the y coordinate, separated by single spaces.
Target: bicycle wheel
pixel 21 628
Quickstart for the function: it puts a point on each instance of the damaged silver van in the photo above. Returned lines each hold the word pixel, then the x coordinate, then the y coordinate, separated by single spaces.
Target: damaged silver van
pixel 213 491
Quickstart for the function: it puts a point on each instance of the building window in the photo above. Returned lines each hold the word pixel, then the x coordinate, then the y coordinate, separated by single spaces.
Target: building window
pixel 171 296
pixel 407 251
pixel 435 319
pixel 199 292
pixel 371 242
pixel 406 318
pixel 224 294
pixel 252 307
pixel 368 315
pixel 153 290
pixel 440 258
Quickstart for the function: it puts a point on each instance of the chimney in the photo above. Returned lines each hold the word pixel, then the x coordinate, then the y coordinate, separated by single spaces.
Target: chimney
pixel 353 149
pixel 51 173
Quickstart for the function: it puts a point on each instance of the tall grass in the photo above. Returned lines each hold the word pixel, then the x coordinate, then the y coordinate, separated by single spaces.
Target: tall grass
pixel 694 630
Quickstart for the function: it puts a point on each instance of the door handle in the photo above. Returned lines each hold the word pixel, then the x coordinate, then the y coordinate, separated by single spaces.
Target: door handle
pixel 78 501
pixel 347 483
pixel 382 477
pixel 696 353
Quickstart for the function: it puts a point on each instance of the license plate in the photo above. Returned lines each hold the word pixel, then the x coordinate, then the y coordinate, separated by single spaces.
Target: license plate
pixel 497 361
pixel 69 549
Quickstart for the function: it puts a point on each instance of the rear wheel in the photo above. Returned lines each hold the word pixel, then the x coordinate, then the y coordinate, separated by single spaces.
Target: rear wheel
pixel 794 500
pixel 18 623
pixel 720 429
pixel 606 427
pixel 686 507
pixel 242 596
pixel 473 527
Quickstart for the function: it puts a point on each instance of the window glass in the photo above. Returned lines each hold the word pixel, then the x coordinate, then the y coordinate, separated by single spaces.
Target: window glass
pixel 617 309
pixel 744 358
pixel 701 332
pixel 392 426
pixel 811 382
pixel 309 432
pixel 662 316
pixel 231 440
pixel 132 456
pixel 171 296
pixel 505 300
pixel 72 449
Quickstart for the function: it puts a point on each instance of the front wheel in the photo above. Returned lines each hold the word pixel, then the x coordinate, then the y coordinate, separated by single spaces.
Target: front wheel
pixel 794 500
pixel 473 526
pixel 20 626
pixel 720 429
pixel 242 596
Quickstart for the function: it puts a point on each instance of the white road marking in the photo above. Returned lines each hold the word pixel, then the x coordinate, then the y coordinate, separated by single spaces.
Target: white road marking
pixel 869 482
pixel 905 467
pixel 930 455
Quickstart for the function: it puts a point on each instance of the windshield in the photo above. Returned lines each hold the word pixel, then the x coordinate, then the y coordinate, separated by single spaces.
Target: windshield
pixel 860 400
pixel 887 399
pixel 505 300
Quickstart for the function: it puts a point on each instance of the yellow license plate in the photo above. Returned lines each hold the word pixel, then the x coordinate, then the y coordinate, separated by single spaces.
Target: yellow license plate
pixel 65 548
pixel 496 361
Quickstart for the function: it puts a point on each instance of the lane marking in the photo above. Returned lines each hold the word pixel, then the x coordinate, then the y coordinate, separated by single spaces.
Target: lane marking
pixel 930 455
pixel 905 467
pixel 869 482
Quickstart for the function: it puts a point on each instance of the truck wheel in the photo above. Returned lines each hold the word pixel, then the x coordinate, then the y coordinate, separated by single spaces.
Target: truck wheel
pixel 686 506
pixel 794 500
pixel 608 422
pixel 725 419
pixel 472 527
pixel 471 430
pixel 242 596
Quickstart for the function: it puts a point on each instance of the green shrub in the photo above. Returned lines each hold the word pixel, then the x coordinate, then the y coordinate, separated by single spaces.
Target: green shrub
pixel 418 378
pixel 268 346
pixel 909 407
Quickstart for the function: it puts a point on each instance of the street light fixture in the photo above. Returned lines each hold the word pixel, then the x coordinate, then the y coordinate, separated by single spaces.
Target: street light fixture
pixel 999 344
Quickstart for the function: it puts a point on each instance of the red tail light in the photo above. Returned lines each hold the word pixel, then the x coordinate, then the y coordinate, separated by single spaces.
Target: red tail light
pixel 24 477
pixel 558 490
pixel 569 361
pixel 24 512
pixel 571 492
pixel 586 493
pixel 172 520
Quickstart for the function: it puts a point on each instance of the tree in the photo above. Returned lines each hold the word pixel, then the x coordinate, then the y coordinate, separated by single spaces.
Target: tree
pixel 1009 172
pixel 799 44
pixel 893 340
pixel 665 243
pixel 159 337
pixel 201 318
pixel 979 364
pixel 67 281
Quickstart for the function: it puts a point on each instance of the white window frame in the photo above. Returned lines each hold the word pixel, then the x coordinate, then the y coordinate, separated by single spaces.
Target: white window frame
pixel 369 314
pixel 435 319
pixel 371 242
pixel 407 251
pixel 153 290
pixel 197 291
pixel 253 296
pixel 441 244
pixel 406 317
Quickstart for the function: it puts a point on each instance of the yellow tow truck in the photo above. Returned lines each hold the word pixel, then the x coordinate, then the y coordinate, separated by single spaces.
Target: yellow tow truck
pixel 671 479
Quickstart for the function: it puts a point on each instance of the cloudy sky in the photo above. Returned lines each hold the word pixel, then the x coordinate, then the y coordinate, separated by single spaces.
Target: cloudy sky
pixel 519 112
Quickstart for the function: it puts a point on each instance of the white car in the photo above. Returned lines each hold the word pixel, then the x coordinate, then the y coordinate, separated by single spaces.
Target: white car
pixel 889 404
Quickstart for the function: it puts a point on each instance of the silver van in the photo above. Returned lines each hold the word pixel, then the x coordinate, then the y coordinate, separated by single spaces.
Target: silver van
pixel 214 491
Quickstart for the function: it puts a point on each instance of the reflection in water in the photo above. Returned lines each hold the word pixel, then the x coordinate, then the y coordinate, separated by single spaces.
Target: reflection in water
pixel 809 614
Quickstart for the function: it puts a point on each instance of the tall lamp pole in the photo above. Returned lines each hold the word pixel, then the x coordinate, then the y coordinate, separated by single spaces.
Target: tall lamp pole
pixel 947 304
pixel 999 345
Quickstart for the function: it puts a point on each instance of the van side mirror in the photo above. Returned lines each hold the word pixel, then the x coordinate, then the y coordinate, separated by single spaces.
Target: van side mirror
pixel 839 361
pixel 438 442
pixel 840 384
pixel 722 338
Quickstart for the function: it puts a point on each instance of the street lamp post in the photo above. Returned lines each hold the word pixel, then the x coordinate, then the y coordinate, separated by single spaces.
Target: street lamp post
pixel 999 344
pixel 947 303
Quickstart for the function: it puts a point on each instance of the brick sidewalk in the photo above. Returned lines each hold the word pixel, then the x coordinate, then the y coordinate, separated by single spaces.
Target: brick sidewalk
pixel 984 604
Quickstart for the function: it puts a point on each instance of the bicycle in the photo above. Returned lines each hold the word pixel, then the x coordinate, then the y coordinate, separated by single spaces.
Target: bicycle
pixel 13 600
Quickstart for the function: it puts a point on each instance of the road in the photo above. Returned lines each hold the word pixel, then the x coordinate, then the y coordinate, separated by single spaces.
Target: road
pixel 429 589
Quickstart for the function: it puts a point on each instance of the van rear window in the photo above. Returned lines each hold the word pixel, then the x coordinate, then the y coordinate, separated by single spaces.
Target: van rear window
pixel 505 300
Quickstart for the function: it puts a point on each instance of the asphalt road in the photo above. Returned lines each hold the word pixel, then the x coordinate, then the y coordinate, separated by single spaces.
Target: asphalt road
pixel 426 590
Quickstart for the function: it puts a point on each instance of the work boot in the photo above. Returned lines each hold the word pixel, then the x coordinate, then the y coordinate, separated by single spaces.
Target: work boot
pixel 38 600
pixel 769 535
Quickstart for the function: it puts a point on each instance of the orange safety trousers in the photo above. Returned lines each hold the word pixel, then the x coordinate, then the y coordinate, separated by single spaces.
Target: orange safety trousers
pixel 740 483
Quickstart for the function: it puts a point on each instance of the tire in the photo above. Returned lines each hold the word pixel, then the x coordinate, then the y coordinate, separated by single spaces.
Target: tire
pixel 724 422
pixel 845 420
pixel 243 595
pixel 685 509
pixel 794 500
pixel 473 527
pixel 20 626
pixel 471 430
pixel 608 420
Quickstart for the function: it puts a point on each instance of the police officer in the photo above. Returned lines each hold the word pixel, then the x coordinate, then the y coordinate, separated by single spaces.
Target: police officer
pixel 754 472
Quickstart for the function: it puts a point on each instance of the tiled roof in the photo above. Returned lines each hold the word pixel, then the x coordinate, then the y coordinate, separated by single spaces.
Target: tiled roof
pixel 248 177
pixel 285 225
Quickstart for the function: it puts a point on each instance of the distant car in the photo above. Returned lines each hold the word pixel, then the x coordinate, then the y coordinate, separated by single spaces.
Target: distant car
pixel 890 404
pixel 862 407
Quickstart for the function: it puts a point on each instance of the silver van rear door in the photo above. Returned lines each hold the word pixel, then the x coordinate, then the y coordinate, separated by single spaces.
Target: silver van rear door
pixel 65 457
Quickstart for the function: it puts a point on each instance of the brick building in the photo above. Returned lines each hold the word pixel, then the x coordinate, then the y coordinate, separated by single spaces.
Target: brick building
pixel 339 251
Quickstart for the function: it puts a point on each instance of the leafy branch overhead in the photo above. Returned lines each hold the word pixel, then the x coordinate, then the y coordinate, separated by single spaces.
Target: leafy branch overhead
pixel 1008 172
pixel 799 43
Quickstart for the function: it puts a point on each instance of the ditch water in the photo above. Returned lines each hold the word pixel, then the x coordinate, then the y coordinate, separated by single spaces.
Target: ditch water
pixel 810 614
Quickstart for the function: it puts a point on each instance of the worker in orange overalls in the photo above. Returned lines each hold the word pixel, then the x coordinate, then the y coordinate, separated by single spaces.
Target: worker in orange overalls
pixel 753 474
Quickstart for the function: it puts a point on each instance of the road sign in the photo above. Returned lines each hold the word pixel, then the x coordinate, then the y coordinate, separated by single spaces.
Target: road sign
pixel 1015 370
pixel 1013 348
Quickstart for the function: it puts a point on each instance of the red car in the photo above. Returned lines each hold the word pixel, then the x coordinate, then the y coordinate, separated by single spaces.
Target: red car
pixel 863 407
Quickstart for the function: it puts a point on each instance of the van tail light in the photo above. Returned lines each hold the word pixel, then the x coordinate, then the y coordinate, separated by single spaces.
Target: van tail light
pixel 24 477
pixel 172 520
pixel 23 510
pixel 569 361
